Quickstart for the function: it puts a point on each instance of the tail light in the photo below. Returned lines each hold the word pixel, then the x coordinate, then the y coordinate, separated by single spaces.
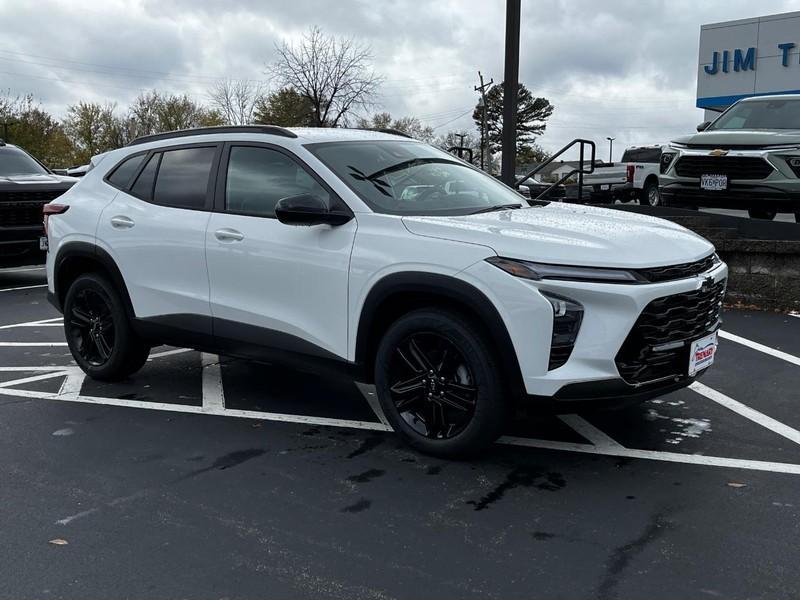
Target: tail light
pixel 52 209
pixel 631 170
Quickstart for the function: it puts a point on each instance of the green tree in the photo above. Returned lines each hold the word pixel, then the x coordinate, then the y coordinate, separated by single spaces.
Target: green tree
pixel 532 115
pixel 153 112
pixel 285 108
pixel 93 128
pixel 409 125
pixel 532 154
pixel 35 130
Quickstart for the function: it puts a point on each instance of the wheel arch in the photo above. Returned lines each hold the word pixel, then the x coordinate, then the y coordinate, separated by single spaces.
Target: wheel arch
pixel 400 293
pixel 652 178
pixel 76 258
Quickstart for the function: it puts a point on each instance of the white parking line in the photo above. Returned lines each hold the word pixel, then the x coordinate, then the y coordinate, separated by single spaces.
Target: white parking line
pixel 54 322
pixel 749 413
pixel 32 344
pixel 589 431
pixel 760 347
pixel 21 270
pixel 24 287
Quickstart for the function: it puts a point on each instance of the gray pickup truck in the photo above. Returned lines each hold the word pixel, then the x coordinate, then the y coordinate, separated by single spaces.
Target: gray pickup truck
pixel 747 159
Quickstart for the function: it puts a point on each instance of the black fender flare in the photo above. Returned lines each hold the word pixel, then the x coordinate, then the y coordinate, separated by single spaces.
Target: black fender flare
pixel 91 253
pixel 458 292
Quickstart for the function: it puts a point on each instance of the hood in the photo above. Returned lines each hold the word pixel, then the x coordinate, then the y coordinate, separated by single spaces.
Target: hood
pixel 742 137
pixel 571 234
pixel 43 180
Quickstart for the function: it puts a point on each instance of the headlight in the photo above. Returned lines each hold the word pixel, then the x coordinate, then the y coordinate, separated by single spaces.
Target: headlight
pixel 666 160
pixel 539 271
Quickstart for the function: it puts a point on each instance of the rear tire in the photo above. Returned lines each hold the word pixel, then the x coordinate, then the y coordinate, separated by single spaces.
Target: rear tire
pixel 439 385
pixel 651 194
pixel 761 213
pixel 98 331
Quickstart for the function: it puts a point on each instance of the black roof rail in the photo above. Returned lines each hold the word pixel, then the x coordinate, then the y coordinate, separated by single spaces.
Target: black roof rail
pixel 393 132
pixel 168 135
pixel 383 130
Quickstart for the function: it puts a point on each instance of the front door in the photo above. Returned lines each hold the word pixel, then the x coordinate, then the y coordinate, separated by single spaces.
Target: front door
pixel 272 284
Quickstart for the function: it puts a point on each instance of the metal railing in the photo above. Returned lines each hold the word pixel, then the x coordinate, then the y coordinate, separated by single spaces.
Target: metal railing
pixel 580 170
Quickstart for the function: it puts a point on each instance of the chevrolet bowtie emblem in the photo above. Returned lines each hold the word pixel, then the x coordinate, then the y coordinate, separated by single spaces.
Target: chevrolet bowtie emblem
pixel 718 152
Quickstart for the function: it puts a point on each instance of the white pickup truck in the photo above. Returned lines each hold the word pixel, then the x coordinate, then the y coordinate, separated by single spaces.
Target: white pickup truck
pixel 635 177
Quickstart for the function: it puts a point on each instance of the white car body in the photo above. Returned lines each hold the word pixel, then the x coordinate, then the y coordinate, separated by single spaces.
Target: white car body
pixel 312 284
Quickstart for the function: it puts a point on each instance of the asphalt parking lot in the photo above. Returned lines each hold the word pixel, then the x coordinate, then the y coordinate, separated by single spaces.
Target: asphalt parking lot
pixel 218 479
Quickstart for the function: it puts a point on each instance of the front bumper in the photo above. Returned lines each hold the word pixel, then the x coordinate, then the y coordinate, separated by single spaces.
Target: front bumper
pixel 757 179
pixel 739 196
pixel 20 245
pixel 610 313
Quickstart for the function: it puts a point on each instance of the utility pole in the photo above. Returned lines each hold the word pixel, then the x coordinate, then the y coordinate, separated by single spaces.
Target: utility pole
pixel 610 148
pixel 510 84
pixel 484 141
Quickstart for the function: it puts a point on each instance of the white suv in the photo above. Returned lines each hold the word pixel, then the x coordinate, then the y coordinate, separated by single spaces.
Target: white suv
pixel 387 257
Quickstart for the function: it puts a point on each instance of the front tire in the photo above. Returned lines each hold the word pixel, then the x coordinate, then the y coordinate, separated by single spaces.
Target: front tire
pixel 761 213
pixel 98 331
pixel 438 384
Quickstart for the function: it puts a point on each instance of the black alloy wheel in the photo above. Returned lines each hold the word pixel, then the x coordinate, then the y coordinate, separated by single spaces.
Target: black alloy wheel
pixel 98 331
pixel 432 386
pixel 91 326
pixel 439 384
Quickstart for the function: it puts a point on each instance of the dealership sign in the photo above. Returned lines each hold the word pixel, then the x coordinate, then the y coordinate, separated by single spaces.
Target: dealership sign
pixel 742 59
pixel 748 57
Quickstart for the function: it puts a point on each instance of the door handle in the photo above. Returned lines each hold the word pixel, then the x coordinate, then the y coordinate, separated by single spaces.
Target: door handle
pixel 122 222
pixel 228 235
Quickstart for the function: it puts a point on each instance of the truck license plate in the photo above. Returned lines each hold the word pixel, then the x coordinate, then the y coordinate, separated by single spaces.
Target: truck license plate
pixel 701 353
pixel 716 183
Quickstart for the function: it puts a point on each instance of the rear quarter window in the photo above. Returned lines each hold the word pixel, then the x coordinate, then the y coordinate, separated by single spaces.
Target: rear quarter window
pixel 121 176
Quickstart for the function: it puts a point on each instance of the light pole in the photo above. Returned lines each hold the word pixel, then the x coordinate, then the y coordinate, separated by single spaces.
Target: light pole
pixel 510 92
pixel 610 148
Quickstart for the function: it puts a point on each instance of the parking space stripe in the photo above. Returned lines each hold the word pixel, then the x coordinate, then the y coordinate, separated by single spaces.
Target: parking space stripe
pixel 749 413
pixel 21 270
pixel 213 394
pixel 589 431
pixel 34 344
pixel 675 457
pixel 33 378
pixel 24 287
pixel 760 347
pixel 55 322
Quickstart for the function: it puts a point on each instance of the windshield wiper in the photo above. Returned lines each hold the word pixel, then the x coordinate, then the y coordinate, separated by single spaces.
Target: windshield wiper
pixel 496 208
pixel 412 162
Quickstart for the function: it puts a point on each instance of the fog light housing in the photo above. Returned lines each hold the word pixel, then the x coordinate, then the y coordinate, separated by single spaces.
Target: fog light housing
pixel 666 160
pixel 567 318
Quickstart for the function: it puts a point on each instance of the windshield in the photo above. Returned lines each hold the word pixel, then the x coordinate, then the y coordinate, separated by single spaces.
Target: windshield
pixel 409 178
pixel 760 114
pixel 14 161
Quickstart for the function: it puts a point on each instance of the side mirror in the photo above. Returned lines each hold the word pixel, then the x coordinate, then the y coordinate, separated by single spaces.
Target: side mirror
pixel 703 126
pixel 308 209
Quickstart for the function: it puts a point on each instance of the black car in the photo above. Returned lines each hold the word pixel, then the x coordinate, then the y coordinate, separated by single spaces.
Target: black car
pixel 26 185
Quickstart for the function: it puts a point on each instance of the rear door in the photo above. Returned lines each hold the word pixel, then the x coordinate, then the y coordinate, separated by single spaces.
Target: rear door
pixel 155 230
pixel 272 284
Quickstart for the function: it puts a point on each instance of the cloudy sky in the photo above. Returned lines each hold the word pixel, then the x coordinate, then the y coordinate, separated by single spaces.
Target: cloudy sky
pixel 622 68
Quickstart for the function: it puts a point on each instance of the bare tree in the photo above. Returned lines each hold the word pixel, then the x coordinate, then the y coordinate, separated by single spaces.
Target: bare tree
pixel 335 74
pixel 236 99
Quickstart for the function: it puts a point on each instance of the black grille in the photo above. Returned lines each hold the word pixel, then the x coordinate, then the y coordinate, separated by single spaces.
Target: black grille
pixel 24 208
pixel 735 167
pixel 682 271
pixel 676 319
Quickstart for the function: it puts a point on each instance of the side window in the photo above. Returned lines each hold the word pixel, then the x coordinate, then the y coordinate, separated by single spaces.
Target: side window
pixel 143 187
pixel 182 179
pixel 125 170
pixel 259 177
